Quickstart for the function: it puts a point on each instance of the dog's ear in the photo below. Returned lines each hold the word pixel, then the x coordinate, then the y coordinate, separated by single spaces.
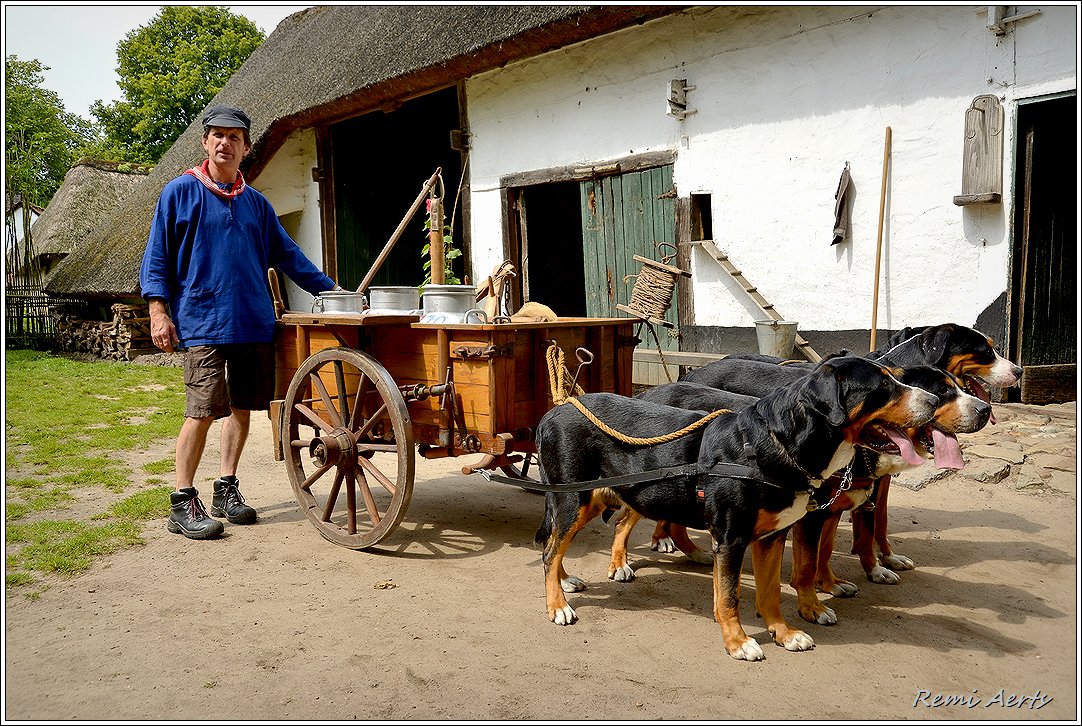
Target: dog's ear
pixel 822 392
pixel 933 342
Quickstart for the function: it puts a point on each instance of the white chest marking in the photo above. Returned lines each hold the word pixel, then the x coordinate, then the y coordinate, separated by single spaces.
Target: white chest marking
pixel 791 514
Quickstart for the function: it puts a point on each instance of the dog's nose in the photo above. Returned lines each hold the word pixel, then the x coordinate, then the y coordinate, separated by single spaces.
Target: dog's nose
pixel 984 412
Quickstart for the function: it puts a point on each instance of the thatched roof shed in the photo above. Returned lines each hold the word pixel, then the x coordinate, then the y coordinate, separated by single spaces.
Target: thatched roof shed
pixel 329 63
pixel 88 199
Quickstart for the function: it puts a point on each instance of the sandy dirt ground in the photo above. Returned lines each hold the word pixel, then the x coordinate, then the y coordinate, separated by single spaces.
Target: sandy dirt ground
pixel 447 619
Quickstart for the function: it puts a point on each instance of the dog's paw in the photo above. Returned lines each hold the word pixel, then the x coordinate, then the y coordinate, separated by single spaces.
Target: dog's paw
pixel 798 640
pixel 897 562
pixel 703 558
pixel 843 588
pixel 665 544
pixel 572 584
pixel 622 574
pixel 882 576
pixel 748 650
pixel 818 614
pixel 564 616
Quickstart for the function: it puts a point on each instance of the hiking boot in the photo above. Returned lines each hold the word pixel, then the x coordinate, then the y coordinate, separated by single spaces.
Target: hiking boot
pixel 189 518
pixel 228 502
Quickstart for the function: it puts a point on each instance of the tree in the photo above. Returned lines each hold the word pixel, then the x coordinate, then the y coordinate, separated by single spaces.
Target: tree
pixel 41 140
pixel 169 71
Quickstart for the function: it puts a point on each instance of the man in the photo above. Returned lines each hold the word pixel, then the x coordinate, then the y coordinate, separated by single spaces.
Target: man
pixel 204 275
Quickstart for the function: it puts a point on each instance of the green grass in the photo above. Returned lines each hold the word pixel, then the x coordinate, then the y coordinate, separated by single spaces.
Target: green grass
pixel 163 466
pixel 67 547
pixel 65 424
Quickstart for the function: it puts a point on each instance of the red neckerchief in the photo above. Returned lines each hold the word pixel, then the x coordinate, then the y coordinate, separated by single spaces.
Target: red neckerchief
pixel 202 173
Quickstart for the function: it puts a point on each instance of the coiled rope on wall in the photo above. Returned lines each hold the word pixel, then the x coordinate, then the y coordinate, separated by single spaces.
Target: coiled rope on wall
pixel 652 294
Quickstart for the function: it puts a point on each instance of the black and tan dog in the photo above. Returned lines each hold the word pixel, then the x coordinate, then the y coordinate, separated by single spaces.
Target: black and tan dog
pixel 957 412
pixel 964 352
pixel 814 535
pixel 796 437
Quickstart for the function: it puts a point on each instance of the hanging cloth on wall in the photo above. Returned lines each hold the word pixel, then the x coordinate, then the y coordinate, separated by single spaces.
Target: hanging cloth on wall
pixel 841 207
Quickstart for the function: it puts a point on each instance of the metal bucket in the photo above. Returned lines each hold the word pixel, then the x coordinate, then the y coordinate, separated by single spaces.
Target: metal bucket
pixel 455 299
pixel 394 297
pixel 339 301
pixel 776 337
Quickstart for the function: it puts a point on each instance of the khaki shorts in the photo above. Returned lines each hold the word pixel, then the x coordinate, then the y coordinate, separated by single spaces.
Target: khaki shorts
pixel 218 378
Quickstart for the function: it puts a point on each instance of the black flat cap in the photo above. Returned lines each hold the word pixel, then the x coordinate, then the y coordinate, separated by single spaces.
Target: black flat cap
pixel 227 117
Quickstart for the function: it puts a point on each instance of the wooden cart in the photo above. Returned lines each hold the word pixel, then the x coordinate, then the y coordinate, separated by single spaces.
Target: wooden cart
pixel 357 396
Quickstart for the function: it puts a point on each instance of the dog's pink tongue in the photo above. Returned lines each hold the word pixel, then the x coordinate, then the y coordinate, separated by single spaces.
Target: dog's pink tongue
pixel 982 394
pixel 905 446
pixel 948 454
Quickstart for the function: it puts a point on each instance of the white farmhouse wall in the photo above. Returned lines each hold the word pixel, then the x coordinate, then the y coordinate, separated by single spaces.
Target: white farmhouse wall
pixel 287 183
pixel 784 97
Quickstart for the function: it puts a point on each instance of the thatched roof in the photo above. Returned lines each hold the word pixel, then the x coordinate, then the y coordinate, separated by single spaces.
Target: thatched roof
pixel 88 199
pixel 329 63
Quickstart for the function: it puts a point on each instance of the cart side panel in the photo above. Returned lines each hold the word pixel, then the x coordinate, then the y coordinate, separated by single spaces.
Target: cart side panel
pixel 611 345
pixel 412 356
pixel 294 344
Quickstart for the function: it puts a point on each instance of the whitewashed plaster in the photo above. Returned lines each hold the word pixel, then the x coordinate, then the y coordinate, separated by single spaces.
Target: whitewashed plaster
pixel 784 97
pixel 287 183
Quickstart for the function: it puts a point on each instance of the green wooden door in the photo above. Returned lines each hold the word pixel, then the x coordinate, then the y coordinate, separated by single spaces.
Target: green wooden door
pixel 622 216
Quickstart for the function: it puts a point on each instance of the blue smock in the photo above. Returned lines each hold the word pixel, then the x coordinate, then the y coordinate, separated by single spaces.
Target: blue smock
pixel 208 258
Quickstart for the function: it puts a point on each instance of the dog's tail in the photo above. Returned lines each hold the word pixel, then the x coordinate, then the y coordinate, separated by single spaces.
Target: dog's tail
pixel 544 530
pixel 548 520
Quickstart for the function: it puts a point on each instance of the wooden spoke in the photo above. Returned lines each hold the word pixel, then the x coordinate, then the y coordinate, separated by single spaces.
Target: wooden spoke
pixel 369 501
pixel 306 485
pixel 351 502
pixel 332 496
pixel 340 385
pixel 377 447
pixel 358 402
pixel 363 431
pixel 325 395
pixel 380 477
pixel 313 417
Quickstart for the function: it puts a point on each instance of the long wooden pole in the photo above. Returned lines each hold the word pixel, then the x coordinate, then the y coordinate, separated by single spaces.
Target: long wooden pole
pixel 435 241
pixel 398 232
pixel 879 237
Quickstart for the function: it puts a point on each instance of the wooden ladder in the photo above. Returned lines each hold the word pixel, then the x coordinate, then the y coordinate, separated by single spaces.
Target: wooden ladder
pixel 768 309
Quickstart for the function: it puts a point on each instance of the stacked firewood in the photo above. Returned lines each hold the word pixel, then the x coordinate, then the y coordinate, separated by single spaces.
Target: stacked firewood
pixel 125 337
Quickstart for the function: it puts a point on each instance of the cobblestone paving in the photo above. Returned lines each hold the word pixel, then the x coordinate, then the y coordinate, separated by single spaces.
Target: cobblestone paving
pixel 1028 448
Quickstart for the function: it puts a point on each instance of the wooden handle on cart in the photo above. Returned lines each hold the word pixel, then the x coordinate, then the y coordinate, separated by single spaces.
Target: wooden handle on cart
pixel 398 232
pixel 276 293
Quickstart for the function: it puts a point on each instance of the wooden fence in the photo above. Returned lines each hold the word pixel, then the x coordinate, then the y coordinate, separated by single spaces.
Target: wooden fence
pixel 30 319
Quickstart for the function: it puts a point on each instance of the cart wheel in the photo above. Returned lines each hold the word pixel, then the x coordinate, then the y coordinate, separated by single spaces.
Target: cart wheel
pixel 362 445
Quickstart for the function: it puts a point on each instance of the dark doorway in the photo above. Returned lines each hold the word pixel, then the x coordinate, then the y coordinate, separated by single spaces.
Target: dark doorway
pixel 381 161
pixel 553 247
pixel 1044 285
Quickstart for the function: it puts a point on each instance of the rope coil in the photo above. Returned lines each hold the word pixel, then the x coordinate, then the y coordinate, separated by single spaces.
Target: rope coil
pixel 560 379
pixel 652 294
